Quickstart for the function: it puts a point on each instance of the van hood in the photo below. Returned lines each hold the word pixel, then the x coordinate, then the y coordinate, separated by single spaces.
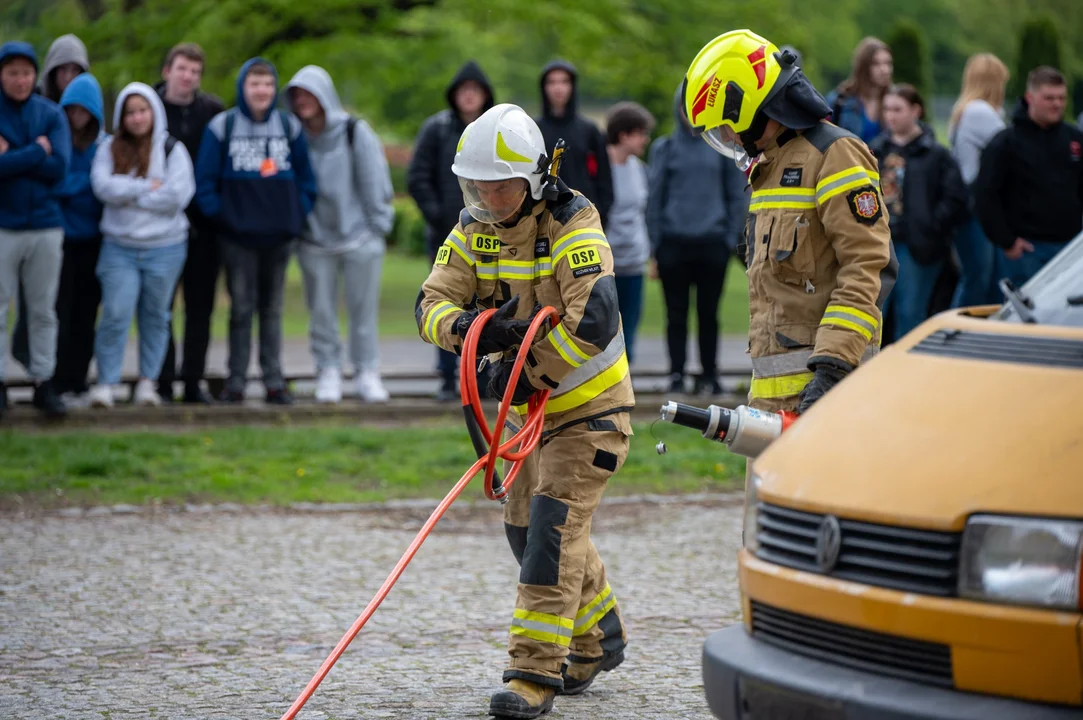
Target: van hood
pixel 925 439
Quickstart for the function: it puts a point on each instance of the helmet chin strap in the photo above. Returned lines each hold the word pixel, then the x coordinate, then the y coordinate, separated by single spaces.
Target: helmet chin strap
pixel 755 131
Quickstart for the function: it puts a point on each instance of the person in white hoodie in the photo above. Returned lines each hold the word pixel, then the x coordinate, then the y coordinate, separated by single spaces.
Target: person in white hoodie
pixel 344 237
pixel 145 180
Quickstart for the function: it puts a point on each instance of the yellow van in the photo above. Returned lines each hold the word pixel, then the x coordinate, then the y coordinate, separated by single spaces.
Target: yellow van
pixel 912 544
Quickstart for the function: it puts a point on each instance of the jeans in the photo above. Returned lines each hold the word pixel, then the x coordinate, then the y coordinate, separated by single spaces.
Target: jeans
pixel 909 299
pixel 630 301
pixel 359 270
pixel 680 266
pixel 1023 269
pixel 199 283
pixel 256 278
pixel 32 258
pixel 977 256
pixel 136 282
pixel 77 303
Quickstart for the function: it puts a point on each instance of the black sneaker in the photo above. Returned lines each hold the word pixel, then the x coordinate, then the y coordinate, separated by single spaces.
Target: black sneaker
pixel 165 392
pixel 708 386
pixel 279 396
pixel 48 401
pixel 195 395
pixel 676 383
pixel 234 397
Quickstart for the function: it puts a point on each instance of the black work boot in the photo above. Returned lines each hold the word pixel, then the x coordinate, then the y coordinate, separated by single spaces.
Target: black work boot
pixel 522 699
pixel 48 401
pixel 579 676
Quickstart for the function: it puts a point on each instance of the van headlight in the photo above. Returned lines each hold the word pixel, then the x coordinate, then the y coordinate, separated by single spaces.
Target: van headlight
pixel 1022 560
pixel 749 531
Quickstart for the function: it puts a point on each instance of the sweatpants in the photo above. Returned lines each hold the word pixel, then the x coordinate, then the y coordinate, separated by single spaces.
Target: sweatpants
pixel 77 303
pixel 680 266
pixel 199 283
pixel 256 278
pixel 565 607
pixel 32 257
pixel 359 270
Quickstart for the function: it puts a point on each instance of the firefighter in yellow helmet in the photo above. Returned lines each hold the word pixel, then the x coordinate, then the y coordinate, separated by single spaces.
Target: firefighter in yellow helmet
pixel 818 249
pixel 525 240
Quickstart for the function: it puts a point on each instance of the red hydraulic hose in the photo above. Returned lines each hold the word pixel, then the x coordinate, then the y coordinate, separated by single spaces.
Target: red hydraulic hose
pixel 526 439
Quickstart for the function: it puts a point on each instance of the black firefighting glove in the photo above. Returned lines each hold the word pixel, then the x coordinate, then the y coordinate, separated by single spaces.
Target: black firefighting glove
pixel 500 374
pixel 502 331
pixel 827 372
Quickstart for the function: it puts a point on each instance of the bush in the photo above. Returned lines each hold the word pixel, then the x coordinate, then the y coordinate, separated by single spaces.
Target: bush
pixel 909 51
pixel 1039 44
pixel 408 232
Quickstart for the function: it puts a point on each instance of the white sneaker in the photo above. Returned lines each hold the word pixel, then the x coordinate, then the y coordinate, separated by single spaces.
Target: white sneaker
pixel 329 386
pixel 146 394
pixel 371 388
pixel 101 396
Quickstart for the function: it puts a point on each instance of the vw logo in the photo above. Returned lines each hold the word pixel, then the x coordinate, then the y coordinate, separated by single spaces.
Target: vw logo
pixel 828 543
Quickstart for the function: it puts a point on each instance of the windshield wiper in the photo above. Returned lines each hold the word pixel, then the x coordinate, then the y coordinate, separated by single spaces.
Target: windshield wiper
pixel 1022 304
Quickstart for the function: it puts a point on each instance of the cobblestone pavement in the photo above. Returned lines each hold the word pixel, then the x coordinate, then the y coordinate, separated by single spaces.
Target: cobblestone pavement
pixel 229 615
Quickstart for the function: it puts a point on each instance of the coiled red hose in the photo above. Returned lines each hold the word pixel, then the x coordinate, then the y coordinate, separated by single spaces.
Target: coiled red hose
pixel 526 440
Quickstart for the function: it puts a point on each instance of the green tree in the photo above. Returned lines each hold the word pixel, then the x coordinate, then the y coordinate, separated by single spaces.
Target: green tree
pixel 1039 44
pixel 909 51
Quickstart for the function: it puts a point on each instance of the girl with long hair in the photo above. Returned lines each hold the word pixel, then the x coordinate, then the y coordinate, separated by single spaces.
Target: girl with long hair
pixel 856 102
pixel 978 115
pixel 145 180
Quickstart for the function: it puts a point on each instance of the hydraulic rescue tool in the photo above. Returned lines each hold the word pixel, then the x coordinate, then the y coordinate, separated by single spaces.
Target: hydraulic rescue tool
pixel 489 448
pixel 746 431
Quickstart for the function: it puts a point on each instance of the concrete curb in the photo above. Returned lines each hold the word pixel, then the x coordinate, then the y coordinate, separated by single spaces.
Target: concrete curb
pixel 425 505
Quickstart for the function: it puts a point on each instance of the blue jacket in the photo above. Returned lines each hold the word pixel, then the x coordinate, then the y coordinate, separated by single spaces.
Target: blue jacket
pixel 258 183
pixel 849 114
pixel 81 208
pixel 28 175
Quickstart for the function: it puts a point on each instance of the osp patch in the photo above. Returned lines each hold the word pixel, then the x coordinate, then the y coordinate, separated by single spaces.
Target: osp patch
pixel 865 205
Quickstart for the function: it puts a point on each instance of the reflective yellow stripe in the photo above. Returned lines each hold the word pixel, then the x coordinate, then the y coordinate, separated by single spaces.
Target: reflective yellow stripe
pixel 440 310
pixel 487 271
pixel 852 318
pixel 595 610
pixel 542 627
pixel 457 241
pixel 567 347
pixel 524 269
pixel 590 389
pixel 779 387
pixel 783 198
pixel 575 246
pixel 577 238
pixel 847 179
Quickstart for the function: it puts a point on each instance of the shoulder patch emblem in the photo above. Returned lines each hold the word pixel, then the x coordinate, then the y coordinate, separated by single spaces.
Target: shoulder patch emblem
pixel 791 177
pixel 485 244
pixel 541 247
pixel 443 255
pixel 865 205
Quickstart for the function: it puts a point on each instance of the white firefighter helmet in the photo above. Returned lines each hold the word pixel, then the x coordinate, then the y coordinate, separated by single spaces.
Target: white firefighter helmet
pixel 503 144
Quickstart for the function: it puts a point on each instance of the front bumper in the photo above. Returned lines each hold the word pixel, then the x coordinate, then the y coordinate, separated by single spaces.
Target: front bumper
pixel 746 679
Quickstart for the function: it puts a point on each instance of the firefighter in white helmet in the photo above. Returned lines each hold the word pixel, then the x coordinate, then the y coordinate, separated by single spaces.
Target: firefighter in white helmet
pixel 525 240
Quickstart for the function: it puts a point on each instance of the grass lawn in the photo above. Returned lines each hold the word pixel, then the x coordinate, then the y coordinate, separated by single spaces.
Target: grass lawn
pixel 279 466
pixel 402 278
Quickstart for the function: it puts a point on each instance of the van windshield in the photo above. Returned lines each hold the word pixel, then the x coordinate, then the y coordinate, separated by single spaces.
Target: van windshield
pixel 1054 296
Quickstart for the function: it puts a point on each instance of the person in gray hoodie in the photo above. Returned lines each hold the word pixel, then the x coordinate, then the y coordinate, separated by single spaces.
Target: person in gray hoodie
pixel 695 215
pixel 345 236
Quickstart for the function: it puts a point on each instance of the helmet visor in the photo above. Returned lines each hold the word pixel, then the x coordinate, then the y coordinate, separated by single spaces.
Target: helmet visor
pixel 724 141
pixel 493 201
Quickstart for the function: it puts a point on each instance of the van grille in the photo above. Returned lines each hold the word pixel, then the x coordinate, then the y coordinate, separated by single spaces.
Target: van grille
pixel 917 561
pixel 1055 352
pixel 898 657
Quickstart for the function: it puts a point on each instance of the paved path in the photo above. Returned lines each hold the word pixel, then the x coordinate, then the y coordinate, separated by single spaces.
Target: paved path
pixel 228 616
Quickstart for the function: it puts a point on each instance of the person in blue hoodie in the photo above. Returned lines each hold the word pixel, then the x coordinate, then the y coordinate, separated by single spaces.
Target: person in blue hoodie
pixel 35 147
pixel 255 180
pixel 80 291
pixel 696 207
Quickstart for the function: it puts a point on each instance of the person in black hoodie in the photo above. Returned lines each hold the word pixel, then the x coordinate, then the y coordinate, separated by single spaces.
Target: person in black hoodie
pixel 435 188
pixel 585 164
pixel 926 202
pixel 187 111
pixel 1029 191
